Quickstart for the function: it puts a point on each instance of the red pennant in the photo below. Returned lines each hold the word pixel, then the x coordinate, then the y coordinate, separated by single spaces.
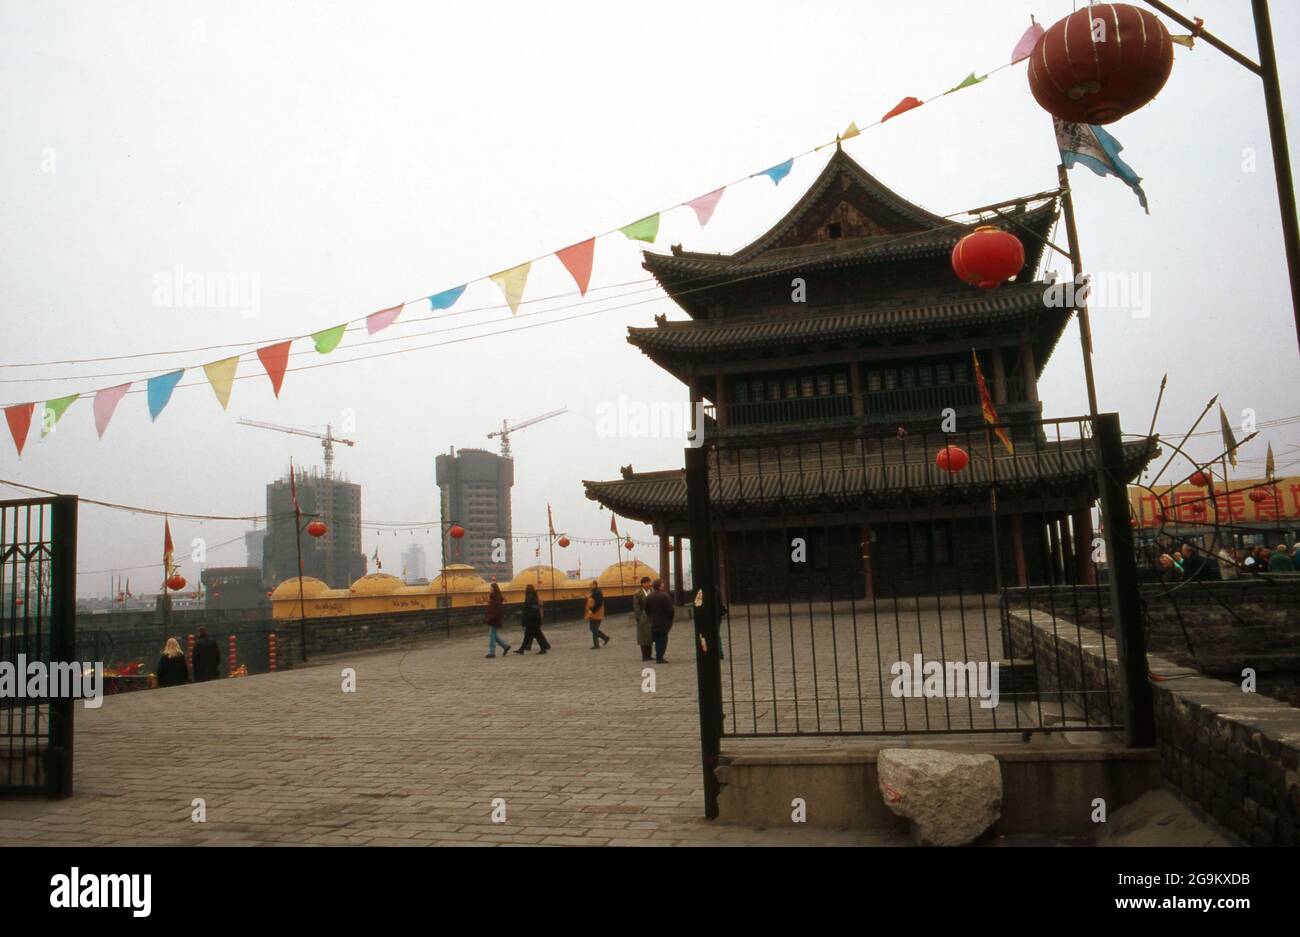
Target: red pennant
pixel 19 418
pixel 275 358
pixel 577 260
pixel 904 105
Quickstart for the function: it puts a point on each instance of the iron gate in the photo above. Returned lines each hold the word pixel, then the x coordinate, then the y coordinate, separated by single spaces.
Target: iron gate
pixel 38 597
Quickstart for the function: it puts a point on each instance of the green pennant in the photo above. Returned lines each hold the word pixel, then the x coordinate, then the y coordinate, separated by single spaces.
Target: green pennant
pixel 53 412
pixel 329 339
pixel 966 82
pixel 647 229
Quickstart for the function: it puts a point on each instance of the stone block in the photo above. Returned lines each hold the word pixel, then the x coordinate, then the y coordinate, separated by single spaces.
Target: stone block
pixel 951 798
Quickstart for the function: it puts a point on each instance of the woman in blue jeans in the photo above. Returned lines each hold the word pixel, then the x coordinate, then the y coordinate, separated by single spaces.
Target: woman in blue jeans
pixel 492 617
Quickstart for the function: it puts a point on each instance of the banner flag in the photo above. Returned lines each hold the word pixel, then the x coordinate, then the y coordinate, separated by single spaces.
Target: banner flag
pixel 1026 43
pixel 293 494
pixel 705 205
pixel 986 406
pixel 168 549
pixel 1269 468
pixel 902 106
pixel 446 299
pixel 613 524
pixel 221 375
pixel 647 229
pixel 1099 151
pixel 1229 440
pixel 378 321
pixel 19 418
pixel 159 389
pixel 966 82
pixel 275 358
pixel 550 524
pixel 327 340
pixel 512 284
pixel 577 259
pixel 106 401
pixel 779 171
pixel 53 412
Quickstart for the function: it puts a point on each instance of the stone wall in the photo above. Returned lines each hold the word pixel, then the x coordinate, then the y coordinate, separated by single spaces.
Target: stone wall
pixel 1234 756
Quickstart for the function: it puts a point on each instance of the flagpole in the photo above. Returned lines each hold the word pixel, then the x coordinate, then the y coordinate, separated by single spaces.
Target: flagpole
pixel 551 551
pixel 1076 261
pixel 297 539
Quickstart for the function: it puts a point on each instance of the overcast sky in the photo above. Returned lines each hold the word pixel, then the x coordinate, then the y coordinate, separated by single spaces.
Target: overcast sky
pixel 349 156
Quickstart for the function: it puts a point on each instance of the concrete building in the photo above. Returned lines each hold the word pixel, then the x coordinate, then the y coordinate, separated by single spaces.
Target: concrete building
pixel 413 565
pixel 336 558
pixel 475 493
pixel 254 541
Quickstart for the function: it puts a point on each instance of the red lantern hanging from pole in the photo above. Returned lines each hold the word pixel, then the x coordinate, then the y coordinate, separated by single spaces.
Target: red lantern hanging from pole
pixel 988 257
pixel 563 542
pixel 628 545
pixel 176 582
pixel 1199 479
pixel 952 459
pixel 316 528
pixel 1100 63
pixel 456 532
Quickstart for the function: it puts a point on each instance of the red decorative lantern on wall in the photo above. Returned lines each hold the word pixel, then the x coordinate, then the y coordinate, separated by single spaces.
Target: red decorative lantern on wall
pixel 456 532
pixel 952 459
pixel 316 528
pixel 628 545
pixel 1199 479
pixel 1100 63
pixel 176 583
pixel 1258 494
pixel 563 541
pixel 988 257
pixel 1198 511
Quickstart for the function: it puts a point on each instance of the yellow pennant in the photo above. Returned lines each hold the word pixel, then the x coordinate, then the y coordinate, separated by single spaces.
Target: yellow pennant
pixel 512 284
pixel 221 375
pixel 850 131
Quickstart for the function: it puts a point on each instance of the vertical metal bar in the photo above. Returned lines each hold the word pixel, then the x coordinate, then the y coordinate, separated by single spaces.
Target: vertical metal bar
pixel 708 668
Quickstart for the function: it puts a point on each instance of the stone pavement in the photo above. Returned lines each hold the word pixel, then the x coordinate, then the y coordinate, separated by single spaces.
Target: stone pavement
pixel 416 756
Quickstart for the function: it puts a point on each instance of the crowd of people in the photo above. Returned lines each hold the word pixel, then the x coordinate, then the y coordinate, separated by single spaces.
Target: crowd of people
pixel 1187 562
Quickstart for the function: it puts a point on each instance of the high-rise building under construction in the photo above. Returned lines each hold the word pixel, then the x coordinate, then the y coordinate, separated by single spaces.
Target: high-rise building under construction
pixel 474 487
pixel 335 558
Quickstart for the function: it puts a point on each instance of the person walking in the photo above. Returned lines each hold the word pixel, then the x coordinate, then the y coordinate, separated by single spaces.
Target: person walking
pixel 207 658
pixel 644 637
pixel 172 669
pixel 595 614
pixel 533 622
pixel 492 616
pixel 659 608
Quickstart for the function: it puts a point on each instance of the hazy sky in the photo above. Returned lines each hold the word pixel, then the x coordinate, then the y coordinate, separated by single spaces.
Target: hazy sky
pixel 348 156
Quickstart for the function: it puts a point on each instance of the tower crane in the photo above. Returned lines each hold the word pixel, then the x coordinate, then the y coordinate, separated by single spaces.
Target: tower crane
pixel 327 439
pixel 508 428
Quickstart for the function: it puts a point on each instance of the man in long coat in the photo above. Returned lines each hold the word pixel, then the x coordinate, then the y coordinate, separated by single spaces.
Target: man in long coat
pixel 641 619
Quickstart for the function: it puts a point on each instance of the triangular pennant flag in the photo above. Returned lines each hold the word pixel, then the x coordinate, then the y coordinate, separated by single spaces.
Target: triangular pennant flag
pixel 221 375
pixel 53 412
pixel 378 321
pixel 159 391
pixel 779 171
pixel 19 418
pixel 647 229
pixel 446 299
pixel 275 358
pixel 850 131
pixel 705 205
pixel 328 339
pixel 1027 42
pixel 1229 440
pixel 577 260
pixel 106 401
pixel 1269 468
pixel 966 82
pixel 512 284
pixel 902 106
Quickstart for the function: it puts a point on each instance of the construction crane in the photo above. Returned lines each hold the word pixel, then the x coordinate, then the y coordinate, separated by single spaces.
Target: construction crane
pixel 327 439
pixel 508 428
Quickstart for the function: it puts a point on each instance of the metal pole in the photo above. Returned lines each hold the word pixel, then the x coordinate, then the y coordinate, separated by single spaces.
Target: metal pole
pixel 1076 261
pixel 708 665
pixel 63 622
pixel 551 551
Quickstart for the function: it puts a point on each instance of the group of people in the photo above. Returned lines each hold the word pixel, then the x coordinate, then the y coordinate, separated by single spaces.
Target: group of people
pixel 652 614
pixel 1188 563
pixel 174 670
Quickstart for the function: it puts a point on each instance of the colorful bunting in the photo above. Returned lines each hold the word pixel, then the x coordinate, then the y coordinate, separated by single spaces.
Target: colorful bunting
pixel 705 205
pixel 577 259
pixel 19 418
pixel 779 171
pixel 106 401
pixel 378 321
pixel 966 82
pixel 1026 43
pixel 275 358
pixel 1099 151
pixel 328 339
pixel 446 299
pixel 512 284
pixel 850 131
pixel 221 375
pixel 902 106
pixel 647 229
pixel 159 391
pixel 53 412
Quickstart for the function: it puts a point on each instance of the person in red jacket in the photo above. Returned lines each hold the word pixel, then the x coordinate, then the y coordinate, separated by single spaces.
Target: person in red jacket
pixel 492 617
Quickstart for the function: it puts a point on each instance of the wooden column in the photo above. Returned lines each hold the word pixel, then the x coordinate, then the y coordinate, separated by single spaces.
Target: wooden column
pixel 1018 547
pixel 855 388
pixel 1027 371
pixel 999 377
pixel 679 587
pixel 663 558
pixel 1068 570
pixel 1054 541
pixel 1083 546
pixel 720 399
pixel 867 576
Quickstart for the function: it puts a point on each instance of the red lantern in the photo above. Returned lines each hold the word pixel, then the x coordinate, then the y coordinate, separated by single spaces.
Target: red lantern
pixel 563 541
pixel 1134 522
pixel 316 528
pixel 1100 63
pixel 952 459
pixel 1258 494
pixel 1199 479
pixel 456 531
pixel 988 257
pixel 628 545
pixel 176 583
pixel 1198 511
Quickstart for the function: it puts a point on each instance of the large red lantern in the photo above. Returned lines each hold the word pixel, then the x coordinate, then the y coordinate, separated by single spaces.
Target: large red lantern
pixel 1199 479
pixel 176 583
pixel 563 541
pixel 952 459
pixel 1100 63
pixel 456 531
pixel 316 528
pixel 1258 494
pixel 988 257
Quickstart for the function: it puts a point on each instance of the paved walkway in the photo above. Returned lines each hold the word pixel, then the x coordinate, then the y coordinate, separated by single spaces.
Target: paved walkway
pixel 432 736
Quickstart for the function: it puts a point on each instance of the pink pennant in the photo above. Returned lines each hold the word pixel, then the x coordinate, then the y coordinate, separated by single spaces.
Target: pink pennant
pixel 902 106
pixel 705 204
pixel 19 418
pixel 378 321
pixel 106 401
pixel 577 260
pixel 1025 47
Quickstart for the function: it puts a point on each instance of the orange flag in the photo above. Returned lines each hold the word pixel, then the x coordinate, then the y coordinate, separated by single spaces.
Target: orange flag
pixel 577 260
pixel 275 358
pixel 986 405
